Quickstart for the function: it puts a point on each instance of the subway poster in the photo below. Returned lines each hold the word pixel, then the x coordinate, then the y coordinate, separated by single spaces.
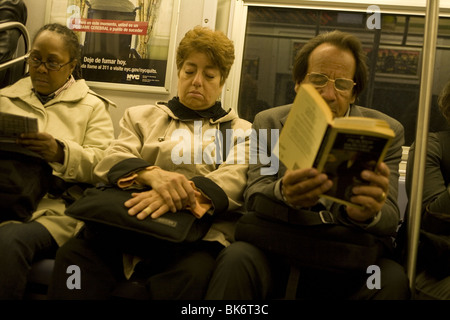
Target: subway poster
pixel 121 41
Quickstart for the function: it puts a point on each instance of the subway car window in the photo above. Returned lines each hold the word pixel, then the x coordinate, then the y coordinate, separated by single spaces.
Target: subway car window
pixel 274 35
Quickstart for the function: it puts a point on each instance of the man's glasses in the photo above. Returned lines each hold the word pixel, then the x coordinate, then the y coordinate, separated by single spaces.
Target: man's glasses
pixel 320 80
pixel 50 65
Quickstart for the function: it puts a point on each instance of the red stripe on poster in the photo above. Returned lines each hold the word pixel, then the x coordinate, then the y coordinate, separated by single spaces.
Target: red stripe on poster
pixel 109 26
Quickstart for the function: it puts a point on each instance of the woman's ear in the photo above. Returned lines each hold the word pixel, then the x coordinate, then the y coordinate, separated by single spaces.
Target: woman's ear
pixel 73 64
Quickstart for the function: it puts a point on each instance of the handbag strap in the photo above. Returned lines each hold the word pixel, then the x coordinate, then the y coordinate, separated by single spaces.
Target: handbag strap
pixel 280 211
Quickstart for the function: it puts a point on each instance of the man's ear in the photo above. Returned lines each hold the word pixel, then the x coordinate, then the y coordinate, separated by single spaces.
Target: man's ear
pixel 353 99
pixel 297 85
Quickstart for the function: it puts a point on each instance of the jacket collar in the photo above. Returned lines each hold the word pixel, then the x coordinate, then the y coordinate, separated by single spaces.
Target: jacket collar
pixel 46 98
pixel 23 89
pixel 184 113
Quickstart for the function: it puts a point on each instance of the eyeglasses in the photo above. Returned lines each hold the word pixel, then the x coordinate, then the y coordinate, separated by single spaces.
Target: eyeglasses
pixel 50 65
pixel 340 84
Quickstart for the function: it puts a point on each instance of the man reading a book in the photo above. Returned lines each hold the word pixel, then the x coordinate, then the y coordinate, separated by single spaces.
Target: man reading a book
pixel 334 64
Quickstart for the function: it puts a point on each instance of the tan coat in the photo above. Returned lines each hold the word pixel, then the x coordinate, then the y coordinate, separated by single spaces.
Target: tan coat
pixel 80 120
pixel 148 132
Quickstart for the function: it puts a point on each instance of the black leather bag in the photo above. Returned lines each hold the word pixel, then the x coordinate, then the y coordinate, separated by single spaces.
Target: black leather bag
pixel 102 209
pixel 309 238
pixel 25 178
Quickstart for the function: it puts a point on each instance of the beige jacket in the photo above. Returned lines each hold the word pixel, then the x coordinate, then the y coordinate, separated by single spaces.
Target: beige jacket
pixel 154 134
pixel 80 120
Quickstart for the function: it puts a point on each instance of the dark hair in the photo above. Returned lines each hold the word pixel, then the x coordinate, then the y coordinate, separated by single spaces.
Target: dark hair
pixel 215 44
pixel 444 101
pixel 341 40
pixel 71 42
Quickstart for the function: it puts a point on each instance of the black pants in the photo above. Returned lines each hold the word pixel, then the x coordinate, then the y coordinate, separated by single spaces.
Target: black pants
pixel 20 245
pixel 245 272
pixel 171 271
pixel 242 273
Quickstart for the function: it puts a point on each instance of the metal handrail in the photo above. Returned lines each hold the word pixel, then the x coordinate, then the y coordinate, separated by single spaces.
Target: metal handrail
pixel 26 37
pixel 415 204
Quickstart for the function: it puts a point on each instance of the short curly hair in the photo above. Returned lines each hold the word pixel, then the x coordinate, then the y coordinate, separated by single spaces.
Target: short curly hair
pixel 71 42
pixel 444 101
pixel 342 40
pixel 215 44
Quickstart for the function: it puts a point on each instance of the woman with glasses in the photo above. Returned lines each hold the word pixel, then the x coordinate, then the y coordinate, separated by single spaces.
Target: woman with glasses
pixel 74 129
pixel 334 63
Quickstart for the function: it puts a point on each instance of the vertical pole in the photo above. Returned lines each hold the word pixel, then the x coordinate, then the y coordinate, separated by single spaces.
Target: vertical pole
pixel 415 205
pixel 373 68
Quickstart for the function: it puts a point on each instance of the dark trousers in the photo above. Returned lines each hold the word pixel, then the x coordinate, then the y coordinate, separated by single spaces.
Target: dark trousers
pixel 20 245
pixel 316 284
pixel 244 272
pixel 170 271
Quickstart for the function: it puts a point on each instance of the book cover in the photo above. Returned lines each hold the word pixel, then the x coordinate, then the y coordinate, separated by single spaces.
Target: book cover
pixel 12 126
pixel 340 147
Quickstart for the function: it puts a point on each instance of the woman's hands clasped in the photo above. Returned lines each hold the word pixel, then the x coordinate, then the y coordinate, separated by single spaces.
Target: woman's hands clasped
pixel 170 191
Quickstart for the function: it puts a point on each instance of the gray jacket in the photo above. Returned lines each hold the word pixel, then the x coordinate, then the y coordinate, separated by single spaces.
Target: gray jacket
pixel 275 118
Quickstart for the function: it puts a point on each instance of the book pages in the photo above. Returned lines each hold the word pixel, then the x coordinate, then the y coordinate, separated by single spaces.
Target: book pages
pixel 304 129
